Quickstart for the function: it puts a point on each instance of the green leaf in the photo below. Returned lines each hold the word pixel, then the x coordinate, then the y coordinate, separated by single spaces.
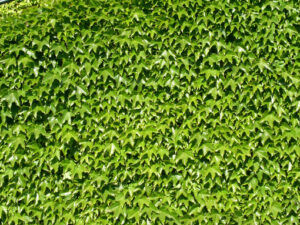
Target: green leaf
pixel 12 97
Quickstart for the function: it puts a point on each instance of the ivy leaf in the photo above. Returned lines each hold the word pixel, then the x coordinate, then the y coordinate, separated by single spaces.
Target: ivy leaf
pixel 184 156
pixel 12 97
pixel 262 64
pixel 270 118
pixel 18 141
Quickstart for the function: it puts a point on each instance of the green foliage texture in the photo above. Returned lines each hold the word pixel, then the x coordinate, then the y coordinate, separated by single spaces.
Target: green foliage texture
pixel 17 6
pixel 150 112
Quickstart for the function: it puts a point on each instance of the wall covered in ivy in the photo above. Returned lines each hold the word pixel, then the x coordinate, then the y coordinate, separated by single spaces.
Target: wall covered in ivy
pixel 150 112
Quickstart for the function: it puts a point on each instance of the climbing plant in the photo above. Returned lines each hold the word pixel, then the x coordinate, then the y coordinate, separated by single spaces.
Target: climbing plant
pixel 150 112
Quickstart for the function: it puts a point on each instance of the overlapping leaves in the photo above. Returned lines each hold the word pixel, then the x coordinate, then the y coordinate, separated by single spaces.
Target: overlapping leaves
pixel 17 6
pixel 150 112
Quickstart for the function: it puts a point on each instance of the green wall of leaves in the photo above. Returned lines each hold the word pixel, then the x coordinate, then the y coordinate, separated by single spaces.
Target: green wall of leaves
pixel 150 112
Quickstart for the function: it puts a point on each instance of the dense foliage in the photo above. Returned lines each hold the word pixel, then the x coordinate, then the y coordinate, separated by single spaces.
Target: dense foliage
pixel 17 6
pixel 150 112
